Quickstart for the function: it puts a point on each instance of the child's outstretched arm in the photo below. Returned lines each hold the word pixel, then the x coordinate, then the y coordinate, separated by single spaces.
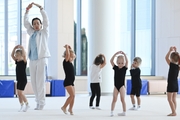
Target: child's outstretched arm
pixel 168 54
pixel 112 59
pixel 104 63
pixel 13 52
pixel 125 59
pixel 23 53
pixel 67 57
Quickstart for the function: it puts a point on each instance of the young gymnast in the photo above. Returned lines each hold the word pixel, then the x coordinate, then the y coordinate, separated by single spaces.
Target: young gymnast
pixel 69 57
pixel 172 59
pixel 19 56
pixel 96 79
pixel 135 82
pixel 119 78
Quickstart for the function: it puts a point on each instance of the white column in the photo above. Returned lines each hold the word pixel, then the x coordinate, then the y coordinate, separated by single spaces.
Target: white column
pixel 167 32
pixel 101 37
pixel 61 30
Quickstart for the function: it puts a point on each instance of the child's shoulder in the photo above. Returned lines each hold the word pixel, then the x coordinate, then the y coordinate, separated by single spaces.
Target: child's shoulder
pixel 138 69
pixel 95 66
pixel 173 65
pixel 125 67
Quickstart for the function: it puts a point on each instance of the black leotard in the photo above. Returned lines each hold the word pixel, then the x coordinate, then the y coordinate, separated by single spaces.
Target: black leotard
pixel 69 73
pixel 119 76
pixel 21 74
pixel 172 78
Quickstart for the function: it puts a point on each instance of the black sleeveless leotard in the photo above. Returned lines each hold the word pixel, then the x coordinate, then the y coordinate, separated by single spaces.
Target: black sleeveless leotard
pixel 172 78
pixel 21 74
pixel 69 73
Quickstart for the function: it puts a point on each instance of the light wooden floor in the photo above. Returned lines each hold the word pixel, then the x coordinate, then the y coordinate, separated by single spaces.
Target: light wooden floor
pixel 154 107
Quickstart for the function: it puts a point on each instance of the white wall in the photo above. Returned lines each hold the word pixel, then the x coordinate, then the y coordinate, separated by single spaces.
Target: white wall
pixel 167 32
pixel 61 28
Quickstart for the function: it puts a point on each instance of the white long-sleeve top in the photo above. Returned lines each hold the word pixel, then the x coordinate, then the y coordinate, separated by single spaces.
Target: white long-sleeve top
pixel 95 74
pixel 42 35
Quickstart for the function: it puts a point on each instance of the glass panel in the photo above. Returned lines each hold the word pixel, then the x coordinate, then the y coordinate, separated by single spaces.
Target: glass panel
pixel 143 34
pixel 75 34
pixel 123 23
pixel 123 27
pixel 2 44
pixel 80 38
pixel 12 33
pixel 84 43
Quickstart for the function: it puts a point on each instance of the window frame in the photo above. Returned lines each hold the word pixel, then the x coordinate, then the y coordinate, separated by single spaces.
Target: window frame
pixel 133 34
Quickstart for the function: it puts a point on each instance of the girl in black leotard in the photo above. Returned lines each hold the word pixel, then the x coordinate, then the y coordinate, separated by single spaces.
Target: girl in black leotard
pixel 19 56
pixel 119 78
pixel 172 59
pixel 69 78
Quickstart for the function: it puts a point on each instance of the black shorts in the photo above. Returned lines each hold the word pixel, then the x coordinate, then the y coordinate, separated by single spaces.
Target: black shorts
pixel 21 85
pixel 136 91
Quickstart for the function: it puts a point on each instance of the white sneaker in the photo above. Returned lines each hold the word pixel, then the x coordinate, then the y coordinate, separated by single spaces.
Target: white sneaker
pixel 91 107
pixel 21 109
pixel 26 108
pixel 41 107
pixel 133 108
pixel 138 108
pixel 37 107
pixel 111 114
pixel 122 114
pixel 98 108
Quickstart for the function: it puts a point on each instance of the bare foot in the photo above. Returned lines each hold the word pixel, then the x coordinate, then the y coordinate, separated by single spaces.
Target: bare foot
pixel 71 112
pixel 64 110
pixel 172 114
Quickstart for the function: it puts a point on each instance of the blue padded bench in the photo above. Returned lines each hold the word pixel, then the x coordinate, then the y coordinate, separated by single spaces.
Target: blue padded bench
pixel 144 89
pixel 57 88
pixel 6 88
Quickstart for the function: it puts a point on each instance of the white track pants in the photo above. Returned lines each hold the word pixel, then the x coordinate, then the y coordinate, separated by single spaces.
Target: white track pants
pixel 38 79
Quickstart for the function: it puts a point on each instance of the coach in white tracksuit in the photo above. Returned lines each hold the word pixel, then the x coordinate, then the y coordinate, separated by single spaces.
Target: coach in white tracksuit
pixel 38 53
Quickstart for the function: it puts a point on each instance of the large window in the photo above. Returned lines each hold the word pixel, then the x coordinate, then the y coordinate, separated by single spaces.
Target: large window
pixel 143 34
pixel 2 35
pixel 123 26
pixel 134 26
pixel 81 41
pixel 12 31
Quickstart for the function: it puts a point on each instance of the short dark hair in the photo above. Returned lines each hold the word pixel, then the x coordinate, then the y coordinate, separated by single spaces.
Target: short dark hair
pixel 36 19
pixel 98 60
pixel 175 56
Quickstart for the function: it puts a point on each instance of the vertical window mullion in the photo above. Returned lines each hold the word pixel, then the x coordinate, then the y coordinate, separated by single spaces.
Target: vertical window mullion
pixel 133 28
pixel 6 37
pixel 78 38
pixel 19 21
pixel 153 29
